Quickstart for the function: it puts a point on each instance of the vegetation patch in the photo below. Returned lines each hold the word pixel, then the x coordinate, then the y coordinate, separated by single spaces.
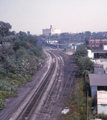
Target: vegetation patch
pixel 20 57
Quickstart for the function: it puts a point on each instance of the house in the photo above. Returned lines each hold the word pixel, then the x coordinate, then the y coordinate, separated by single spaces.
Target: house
pixel 97 82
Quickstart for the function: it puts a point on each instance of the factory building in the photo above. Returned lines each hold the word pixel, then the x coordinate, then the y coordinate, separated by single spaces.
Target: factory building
pixel 97 44
pixel 51 31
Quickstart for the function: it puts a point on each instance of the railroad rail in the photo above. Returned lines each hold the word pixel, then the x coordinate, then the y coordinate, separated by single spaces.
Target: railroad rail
pixel 48 111
pixel 57 93
pixel 40 102
pixel 53 95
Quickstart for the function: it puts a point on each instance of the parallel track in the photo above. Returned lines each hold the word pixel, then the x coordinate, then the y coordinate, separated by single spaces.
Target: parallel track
pixel 55 94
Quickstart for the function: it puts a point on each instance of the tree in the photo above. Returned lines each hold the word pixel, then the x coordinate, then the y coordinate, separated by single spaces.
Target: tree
pixel 81 51
pixel 84 63
pixel 87 33
pixel 4 29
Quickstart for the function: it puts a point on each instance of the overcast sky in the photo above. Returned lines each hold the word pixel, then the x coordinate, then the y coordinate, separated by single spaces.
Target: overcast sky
pixel 67 15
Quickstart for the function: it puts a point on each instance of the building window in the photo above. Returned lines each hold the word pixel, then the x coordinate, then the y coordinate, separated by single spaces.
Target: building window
pixel 102 88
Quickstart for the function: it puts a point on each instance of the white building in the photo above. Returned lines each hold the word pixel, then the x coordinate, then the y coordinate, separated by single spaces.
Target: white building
pixel 51 31
pixel 102 102
pixel 90 54
pixel 104 47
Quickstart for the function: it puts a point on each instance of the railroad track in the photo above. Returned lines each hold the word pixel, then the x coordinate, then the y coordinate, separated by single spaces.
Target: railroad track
pixel 40 102
pixel 22 110
pixel 68 85
pixel 55 96
pixel 27 111
pixel 54 93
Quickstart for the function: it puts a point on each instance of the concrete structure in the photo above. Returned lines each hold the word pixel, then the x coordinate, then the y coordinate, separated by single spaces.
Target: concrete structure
pixel 97 54
pixel 102 102
pixel 97 82
pixel 51 31
pixel 90 54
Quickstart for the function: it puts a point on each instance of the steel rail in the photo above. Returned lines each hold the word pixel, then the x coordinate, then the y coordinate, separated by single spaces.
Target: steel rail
pixel 52 97
pixel 57 88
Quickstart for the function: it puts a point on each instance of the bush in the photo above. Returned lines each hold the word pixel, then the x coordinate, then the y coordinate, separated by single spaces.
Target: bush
pixel 5 94
pixel 1 104
pixel 2 71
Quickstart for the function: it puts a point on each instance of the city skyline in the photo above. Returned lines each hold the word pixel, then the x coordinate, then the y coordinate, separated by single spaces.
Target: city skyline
pixel 67 15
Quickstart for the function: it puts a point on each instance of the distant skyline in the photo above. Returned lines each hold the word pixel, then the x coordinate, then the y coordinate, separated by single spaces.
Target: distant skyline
pixel 67 15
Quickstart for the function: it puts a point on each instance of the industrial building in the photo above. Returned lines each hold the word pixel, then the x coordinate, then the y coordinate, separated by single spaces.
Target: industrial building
pixel 97 44
pixel 98 82
pixel 51 31
pixel 97 54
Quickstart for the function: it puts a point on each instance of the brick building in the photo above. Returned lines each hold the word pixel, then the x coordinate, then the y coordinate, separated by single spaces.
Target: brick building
pixel 96 44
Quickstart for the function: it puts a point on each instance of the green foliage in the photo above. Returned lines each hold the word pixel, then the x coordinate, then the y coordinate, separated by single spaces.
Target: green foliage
pixel 1 104
pixel 81 51
pixel 4 28
pixel 5 94
pixel 88 47
pixel 6 86
pixel 77 102
pixel 102 116
pixel 2 71
pixel 20 57
pixel 85 65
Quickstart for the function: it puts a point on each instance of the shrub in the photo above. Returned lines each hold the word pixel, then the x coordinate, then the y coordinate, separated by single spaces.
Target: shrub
pixel 1 104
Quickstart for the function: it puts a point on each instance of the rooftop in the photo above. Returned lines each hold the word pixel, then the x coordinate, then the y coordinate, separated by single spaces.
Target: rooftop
pixel 98 79
pixel 98 70
pixel 100 51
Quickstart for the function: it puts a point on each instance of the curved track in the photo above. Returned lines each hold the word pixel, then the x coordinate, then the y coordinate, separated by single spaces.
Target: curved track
pixel 42 101
pixel 24 111
pixel 53 96
pixel 51 108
